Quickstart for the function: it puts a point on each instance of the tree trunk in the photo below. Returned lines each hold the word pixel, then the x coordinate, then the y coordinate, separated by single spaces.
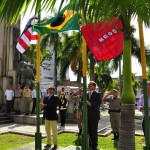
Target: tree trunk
pixel 79 75
pixel 127 130
pixel 120 77
pixel 92 64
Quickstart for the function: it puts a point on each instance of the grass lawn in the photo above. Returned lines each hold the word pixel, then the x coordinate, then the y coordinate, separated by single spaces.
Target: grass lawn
pixel 8 141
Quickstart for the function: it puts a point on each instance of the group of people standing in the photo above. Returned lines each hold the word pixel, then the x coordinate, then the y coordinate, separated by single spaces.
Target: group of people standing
pixel 52 101
pixel 94 99
pixel 19 100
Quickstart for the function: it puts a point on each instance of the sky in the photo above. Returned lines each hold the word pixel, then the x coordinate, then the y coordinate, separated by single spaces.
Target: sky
pixel 136 67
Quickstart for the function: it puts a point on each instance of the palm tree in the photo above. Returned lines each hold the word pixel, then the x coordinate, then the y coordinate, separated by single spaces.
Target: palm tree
pixel 135 50
pixel 70 55
pixel 31 54
pixel 135 83
pixel 103 75
pixel 116 62
pixel 91 67
pixel 98 10
pixel 126 9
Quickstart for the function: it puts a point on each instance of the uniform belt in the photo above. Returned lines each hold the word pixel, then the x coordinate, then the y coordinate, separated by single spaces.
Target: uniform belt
pixel 17 97
pixel 115 111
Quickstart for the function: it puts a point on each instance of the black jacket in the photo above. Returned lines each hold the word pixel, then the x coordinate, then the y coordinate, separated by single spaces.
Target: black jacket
pixel 50 108
pixel 94 109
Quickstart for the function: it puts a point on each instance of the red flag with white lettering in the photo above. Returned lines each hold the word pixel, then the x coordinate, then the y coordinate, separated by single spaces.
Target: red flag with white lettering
pixel 104 39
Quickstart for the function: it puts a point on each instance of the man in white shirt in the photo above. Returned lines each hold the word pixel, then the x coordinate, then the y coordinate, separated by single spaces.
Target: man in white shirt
pixel 9 94
pixel 34 101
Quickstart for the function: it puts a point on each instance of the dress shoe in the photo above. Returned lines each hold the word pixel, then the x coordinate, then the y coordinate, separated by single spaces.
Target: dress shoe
pixel 47 146
pixel 54 148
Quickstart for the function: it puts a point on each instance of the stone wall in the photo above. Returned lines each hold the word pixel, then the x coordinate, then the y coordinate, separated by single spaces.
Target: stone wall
pixel 8 55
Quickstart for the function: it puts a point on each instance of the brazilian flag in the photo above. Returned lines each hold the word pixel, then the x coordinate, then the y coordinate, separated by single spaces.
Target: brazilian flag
pixel 66 19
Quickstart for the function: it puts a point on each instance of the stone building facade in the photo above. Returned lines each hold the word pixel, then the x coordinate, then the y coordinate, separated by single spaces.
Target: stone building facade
pixel 9 56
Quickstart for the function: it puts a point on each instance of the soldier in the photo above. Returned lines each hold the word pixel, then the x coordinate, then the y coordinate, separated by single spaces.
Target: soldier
pixel 114 111
pixel 18 94
pixel 27 94
pixel 78 96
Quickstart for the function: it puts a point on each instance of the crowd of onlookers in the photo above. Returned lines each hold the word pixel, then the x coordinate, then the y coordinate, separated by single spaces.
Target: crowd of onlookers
pixel 23 100
pixel 20 100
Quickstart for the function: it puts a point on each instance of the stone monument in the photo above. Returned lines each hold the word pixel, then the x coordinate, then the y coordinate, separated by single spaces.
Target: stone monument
pixel 25 74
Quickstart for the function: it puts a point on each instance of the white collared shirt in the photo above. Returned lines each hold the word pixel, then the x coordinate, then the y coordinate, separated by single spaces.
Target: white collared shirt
pixel 9 94
pixel 34 93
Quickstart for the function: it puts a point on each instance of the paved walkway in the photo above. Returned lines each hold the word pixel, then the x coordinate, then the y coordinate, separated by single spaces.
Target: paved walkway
pixel 104 129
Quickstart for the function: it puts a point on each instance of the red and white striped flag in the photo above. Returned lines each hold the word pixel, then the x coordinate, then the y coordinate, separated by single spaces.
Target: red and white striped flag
pixel 28 36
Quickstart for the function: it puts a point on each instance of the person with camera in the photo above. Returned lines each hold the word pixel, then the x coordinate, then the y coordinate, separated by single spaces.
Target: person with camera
pixel 114 111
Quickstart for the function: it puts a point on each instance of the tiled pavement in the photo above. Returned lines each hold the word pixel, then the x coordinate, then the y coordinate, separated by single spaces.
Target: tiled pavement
pixel 104 129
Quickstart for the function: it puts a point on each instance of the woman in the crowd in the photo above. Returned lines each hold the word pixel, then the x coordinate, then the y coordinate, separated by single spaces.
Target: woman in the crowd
pixel 63 108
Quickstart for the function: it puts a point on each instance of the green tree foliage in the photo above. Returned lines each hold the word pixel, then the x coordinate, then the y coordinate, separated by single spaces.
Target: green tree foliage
pixel 31 54
pixel 103 75
pixel 70 55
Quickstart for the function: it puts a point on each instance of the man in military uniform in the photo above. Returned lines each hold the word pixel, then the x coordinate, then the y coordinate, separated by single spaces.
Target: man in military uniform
pixel 27 94
pixel 114 111
pixel 77 96
pixel 18 94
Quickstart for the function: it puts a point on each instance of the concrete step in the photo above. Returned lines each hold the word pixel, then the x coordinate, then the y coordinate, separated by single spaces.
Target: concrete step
pixel 4 118
pixel 29 119
pixel 5 121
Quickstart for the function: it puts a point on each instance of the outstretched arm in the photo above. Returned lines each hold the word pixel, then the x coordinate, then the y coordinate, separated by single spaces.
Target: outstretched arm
pixel 105 97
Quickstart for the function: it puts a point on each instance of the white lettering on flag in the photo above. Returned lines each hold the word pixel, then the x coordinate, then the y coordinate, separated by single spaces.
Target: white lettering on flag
pixel 107 35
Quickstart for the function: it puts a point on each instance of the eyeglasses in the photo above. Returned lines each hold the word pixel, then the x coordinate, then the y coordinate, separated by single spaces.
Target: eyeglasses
pixel 90 84
pixel 51 88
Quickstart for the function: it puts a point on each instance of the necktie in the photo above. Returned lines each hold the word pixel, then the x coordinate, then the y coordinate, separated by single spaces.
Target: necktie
pixel 90 93
pixel 49 96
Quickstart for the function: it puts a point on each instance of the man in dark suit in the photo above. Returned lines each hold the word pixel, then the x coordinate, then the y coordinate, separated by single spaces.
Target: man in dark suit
pixel 49 105
pixel 93 112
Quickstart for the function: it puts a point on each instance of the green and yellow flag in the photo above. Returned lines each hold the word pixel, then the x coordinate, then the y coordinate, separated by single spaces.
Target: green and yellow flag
pixel 66 19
